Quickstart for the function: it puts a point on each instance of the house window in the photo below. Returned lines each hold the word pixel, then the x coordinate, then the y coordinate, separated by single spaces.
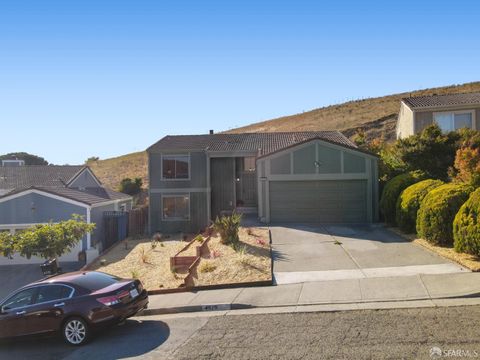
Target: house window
pixel 176 167
pixel 451 121
pixel 249 164
pixel 176 207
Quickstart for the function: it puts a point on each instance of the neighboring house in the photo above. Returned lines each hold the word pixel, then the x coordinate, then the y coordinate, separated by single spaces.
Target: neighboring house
pixel 32 195
pixel 317 177
pixel 450 112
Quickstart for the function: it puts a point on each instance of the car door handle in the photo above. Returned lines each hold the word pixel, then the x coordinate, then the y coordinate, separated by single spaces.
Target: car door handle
pixel 59 304
pixel 21 312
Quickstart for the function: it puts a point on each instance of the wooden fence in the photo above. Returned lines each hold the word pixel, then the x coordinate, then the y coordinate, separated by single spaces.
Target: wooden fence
pixel 138 221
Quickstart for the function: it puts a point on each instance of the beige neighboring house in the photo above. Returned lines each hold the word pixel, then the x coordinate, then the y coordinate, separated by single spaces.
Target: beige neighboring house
pixel 450 112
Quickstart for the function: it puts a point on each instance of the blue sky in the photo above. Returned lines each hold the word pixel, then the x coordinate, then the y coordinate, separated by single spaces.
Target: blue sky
pixel 105 78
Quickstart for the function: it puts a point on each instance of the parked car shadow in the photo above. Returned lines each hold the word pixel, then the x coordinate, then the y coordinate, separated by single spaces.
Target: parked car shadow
pixel 134 338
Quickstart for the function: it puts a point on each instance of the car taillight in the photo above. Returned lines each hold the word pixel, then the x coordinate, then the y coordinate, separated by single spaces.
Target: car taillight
pixel 114 299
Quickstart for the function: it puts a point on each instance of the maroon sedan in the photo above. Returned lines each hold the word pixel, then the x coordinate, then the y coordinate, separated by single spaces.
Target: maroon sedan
pixel 75 304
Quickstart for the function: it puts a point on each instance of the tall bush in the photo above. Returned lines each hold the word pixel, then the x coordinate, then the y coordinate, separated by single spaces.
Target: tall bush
pixel 437 212
pixel 466 226
pixel 409 201
pixel 467 158
pixel 131 187
pixel 392 191
pixel 228 227
pixel 430 151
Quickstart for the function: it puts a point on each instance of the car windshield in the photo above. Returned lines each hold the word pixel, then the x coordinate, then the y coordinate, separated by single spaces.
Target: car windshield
pixel 93 281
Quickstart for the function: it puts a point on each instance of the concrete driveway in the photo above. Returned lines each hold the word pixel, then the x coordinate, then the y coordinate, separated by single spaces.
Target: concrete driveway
pixel 15 276
pixel 334 252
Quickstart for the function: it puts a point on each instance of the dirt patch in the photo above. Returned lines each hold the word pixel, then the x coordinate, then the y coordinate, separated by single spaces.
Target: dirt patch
pixel 222 264
pixel 139 260
pixel 469 261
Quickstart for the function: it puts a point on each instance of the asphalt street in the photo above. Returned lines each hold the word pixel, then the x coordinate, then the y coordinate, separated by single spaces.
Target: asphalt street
pixel 451 332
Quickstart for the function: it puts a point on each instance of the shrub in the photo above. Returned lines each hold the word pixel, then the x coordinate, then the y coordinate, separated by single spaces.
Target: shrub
pixel 392 191
pixel 227 227
pixel 207 266
pixel 466 226
pixel 409 201
pixel 131 187
pixel 437 212
pixel 467 158
pixel 430 151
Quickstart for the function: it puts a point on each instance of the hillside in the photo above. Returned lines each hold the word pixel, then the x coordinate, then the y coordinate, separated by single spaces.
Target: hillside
pixel 376 116
pixel 112 171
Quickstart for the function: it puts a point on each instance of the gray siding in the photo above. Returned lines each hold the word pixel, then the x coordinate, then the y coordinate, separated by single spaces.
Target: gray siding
pixel 329 160
pixel 325 201
pixel 35 208
pixel 198 172
pixel 84 180
pixel 198 215
pixel 304 160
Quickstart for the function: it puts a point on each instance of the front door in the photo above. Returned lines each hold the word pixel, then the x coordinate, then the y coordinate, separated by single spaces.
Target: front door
pixel 222 182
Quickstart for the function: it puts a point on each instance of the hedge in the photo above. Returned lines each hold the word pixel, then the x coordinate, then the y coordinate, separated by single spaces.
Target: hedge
pixel 437 212
pixel 466 226
pixel 392 190
pixel 409 201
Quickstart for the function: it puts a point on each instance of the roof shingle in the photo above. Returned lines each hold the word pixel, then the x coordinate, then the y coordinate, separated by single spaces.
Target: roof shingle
pixel 442 100
pixel 22 177
pixel 261 143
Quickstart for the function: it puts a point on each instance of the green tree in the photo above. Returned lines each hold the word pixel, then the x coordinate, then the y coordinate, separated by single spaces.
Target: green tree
pixel 430 151
pixel 29 159
pixel 47 241
pixel 131 187
pixel 92 159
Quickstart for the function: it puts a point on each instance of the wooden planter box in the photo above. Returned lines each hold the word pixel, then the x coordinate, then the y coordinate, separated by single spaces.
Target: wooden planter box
pixel 179 262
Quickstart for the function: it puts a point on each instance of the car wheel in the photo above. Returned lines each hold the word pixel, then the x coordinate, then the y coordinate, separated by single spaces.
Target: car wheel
pixel 75 331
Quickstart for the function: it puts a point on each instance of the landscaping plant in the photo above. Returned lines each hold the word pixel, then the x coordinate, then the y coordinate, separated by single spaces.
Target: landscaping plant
pixel 392 191
pixel 467 159
pixel 437 212
pixel 466 226
pixel 228 227
pixel 207 266
pixel 409 201
pixel 47 241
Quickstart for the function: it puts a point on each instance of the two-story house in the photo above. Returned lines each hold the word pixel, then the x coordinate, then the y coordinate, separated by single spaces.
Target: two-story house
pixel 450 112
pixel 280 177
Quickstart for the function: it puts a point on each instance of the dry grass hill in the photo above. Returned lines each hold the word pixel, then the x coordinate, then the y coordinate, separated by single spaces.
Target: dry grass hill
pixel 376 116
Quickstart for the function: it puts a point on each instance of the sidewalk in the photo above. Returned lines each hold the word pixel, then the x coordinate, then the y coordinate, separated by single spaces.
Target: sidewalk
pixel 335 292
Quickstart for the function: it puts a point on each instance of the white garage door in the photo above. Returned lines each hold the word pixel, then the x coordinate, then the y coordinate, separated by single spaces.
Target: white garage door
pixel 325 201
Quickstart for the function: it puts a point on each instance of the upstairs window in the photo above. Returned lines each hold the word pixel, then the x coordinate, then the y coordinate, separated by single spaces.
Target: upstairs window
pixel 455 120
pixel 176 167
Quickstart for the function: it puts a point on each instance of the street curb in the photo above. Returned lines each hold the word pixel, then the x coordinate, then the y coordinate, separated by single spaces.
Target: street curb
pixel 235 306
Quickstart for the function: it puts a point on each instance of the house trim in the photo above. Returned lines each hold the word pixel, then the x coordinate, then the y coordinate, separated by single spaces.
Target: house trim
pixel 44 193
pixel 86 168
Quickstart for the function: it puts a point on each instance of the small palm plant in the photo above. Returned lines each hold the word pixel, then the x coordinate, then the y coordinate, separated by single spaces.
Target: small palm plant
pixel 228 226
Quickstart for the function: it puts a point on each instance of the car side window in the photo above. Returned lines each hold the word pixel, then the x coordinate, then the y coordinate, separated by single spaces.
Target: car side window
pixel 20 299
pixel 52 292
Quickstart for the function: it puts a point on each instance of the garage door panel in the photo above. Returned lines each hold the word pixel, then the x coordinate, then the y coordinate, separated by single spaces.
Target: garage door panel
pixel 327 201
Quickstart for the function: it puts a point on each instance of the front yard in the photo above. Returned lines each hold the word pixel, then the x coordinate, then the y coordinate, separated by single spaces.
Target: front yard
pixel 223 264
pixel 250 261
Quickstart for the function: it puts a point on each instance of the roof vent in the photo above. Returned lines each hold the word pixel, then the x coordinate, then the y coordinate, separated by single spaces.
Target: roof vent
pixel 15 162
pixel 211 132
